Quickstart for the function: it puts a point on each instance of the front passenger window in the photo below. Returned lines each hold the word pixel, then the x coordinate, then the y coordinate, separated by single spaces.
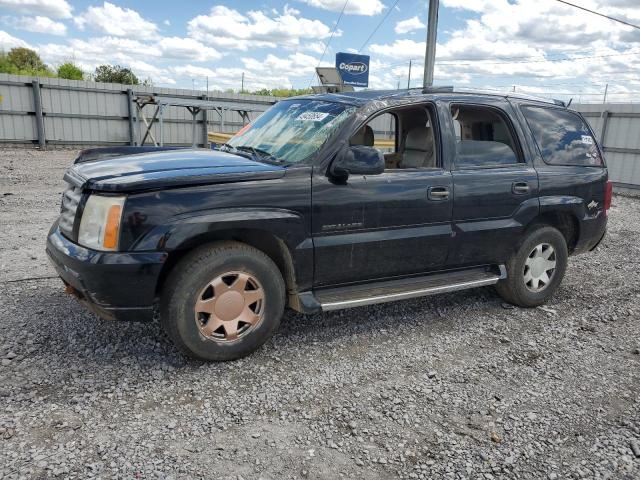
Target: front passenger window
pixel 483 137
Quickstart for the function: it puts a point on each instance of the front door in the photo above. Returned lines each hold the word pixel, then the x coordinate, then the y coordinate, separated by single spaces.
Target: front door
pixel 393 224
pixel 382 226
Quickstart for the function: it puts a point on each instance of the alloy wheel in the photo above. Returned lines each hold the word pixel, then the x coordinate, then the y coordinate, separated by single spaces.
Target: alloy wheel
pixel 229 307
pixel 539 267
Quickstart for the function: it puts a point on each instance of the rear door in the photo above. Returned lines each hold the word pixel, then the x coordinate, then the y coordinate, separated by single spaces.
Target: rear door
pixel 495 183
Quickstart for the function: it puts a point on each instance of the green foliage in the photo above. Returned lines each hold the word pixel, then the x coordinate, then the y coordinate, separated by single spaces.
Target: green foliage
pixel 115 74
pixel 70 71
pixel 26 59
pixel 283 92
pixel 290 92
pixel 23 61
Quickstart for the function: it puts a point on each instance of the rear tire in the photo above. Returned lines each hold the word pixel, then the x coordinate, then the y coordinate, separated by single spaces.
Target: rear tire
pixel 222 301
pixel 536 270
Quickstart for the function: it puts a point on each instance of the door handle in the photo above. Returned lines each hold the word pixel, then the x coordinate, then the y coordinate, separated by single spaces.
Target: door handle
pixel 438 193
pixel 520 188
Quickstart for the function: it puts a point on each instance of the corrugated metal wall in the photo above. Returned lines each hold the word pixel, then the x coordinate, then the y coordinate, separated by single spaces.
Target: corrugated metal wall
pixel 79 113
pixel 617 127
pixel 89 113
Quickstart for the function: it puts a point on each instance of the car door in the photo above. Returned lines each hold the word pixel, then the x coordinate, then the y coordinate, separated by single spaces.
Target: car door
pixel 380 226
pixel 495 183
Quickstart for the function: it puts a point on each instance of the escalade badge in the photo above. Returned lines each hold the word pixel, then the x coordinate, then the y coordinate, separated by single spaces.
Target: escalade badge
pixel 593 204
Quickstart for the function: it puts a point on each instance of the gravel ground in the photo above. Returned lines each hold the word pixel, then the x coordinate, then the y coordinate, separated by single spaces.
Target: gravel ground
pixel 451 386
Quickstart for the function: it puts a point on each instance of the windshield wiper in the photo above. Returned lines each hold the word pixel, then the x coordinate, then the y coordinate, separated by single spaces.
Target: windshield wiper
pixel 261 154
pixel 226 147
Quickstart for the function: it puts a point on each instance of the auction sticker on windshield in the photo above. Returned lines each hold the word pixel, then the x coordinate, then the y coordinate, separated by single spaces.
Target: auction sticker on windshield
pixel 312 116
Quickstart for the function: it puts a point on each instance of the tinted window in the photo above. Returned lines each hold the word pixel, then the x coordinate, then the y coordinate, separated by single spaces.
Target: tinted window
pixel 563 137
pixel 483 137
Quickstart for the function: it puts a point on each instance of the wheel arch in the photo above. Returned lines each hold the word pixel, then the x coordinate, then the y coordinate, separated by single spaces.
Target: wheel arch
pixel 265 241
pixel 565 221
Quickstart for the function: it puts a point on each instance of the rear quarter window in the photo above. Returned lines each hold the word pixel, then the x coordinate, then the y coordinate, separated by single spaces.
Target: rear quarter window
pixel 563 137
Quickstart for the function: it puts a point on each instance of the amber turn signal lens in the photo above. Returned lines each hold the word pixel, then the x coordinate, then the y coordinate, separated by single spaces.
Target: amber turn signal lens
pixel 113 227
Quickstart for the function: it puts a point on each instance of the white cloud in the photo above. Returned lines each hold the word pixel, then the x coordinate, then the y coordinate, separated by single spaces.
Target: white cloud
pixel 37 24
pixel 51 8
pixel 113 20
pixel 315 47
pixel 474 5
pixel 229 78
pixel 7 42
pixel 551 25
pixel 228 28
pixel 97 51
pixel 354 7
pixel 187 49
pixel 295 65
pixel 403 49
pixel 409 25
pixel 512 42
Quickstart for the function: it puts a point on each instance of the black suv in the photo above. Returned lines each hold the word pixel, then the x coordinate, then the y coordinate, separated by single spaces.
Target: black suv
pixel 333 201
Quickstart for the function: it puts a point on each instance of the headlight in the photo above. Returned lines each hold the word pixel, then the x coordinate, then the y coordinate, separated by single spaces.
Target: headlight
pixel 100 223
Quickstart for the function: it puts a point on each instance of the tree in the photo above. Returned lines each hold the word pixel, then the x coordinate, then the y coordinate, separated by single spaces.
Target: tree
pixel 70 71
pixel 22 61
pixel 115 74
pixel 25 59
pixel 283 92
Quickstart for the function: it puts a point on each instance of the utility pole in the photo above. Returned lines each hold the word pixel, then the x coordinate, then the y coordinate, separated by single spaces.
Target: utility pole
pixel 242 86
pixel 430 51
pixel 409 79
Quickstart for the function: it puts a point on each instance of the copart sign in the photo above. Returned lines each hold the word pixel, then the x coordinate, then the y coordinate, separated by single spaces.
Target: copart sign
pixel 353 68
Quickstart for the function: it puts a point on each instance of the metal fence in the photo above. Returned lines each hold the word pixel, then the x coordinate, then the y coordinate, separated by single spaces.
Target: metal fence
pixel 617 126
pixel 50 111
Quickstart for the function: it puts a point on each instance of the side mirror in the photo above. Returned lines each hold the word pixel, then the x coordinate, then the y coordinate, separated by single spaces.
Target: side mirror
pixel 358 160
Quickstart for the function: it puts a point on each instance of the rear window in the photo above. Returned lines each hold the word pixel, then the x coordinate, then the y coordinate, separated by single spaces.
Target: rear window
pixel 564 138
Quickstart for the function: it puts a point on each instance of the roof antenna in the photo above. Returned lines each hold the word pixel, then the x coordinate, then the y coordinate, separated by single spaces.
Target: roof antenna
pixel 570 100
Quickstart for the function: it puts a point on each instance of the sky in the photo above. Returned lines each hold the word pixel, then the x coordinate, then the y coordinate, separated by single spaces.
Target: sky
pixel 540 47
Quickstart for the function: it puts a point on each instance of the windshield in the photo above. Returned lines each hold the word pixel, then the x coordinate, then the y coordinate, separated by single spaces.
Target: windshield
pixel 292 130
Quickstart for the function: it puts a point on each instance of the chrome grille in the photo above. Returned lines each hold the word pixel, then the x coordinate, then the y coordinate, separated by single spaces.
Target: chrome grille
pixel 70 200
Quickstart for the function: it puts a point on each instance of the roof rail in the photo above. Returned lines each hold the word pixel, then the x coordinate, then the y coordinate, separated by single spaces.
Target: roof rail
pixel 524 96
pixel 438 89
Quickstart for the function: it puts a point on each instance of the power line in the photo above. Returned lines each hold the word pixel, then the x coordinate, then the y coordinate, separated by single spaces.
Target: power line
pixel 335 27
pixel 378 26
pixel 543 60
pixel 455 62
pixel 326 45
pixel 600 14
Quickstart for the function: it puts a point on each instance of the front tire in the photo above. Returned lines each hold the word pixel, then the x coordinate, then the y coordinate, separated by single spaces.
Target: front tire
pixel 536 270
pixel 222 301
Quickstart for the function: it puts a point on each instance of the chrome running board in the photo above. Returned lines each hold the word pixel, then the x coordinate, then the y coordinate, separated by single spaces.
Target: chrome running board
pixel 390 291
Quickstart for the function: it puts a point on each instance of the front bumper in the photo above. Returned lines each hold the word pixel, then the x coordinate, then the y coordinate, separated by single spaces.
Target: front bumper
pixel 114 285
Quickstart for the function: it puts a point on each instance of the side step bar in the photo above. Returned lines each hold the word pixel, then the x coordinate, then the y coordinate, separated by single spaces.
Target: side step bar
pixel 389 291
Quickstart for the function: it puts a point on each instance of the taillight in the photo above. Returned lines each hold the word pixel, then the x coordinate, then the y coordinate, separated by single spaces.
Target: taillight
pixel 608 192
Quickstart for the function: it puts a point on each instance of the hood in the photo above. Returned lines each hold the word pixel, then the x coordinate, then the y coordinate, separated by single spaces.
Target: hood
pixel 168 169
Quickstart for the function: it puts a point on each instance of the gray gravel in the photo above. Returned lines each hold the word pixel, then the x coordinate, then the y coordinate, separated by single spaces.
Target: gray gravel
pixel 452 386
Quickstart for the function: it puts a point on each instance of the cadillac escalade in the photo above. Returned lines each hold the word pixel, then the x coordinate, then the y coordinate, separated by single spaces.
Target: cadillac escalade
pixel 333 201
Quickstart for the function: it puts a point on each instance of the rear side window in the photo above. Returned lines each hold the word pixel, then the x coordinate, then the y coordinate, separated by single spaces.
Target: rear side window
pixel 563 137
pixel 483 137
